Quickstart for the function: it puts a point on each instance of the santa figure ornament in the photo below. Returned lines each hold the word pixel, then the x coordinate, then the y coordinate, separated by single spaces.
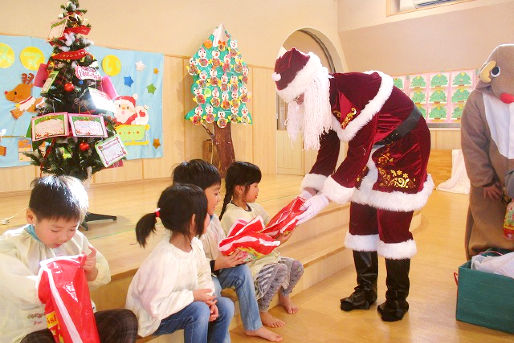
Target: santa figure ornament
pixel 384 174
pixel 127 113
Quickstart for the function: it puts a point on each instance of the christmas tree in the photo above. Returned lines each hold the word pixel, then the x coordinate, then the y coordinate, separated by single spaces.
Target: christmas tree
pixel 460 95
pixel 418 82
pixel 438 96
pixel 462 79
pixel 437 112
pixel 439 80
pixel 219 88
pixel 72 87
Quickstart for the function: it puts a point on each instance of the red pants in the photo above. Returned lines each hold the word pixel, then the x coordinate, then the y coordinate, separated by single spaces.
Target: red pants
pixel 384 231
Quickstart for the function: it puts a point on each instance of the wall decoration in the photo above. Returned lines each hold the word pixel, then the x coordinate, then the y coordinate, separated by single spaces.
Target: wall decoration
pixel 136 93
pixel 219 90
pixel 441 96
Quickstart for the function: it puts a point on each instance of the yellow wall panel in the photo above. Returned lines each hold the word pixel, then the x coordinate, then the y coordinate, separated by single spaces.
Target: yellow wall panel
pixel 264 120
pixel 289 155
pixel 17 178
pixel 131 170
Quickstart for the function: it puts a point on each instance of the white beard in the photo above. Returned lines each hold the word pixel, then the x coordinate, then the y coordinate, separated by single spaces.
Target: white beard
pixel 294 122
pixel 314 116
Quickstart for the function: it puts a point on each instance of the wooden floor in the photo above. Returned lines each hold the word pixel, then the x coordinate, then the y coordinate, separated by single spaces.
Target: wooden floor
pixel 433 290
pixel 431 317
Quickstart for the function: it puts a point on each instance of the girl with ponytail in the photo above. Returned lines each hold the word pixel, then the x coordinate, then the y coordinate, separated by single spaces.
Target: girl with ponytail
pixel 272 273
pixel 173 288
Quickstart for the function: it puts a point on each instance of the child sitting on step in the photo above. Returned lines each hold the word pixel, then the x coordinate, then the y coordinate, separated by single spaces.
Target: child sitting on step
pixel 172 288
pixel 272 273
pixel 229 270
pixel 57 206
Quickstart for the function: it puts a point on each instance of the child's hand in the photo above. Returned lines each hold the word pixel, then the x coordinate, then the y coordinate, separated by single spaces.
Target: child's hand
pixel 237 258
pixel 214 313
pixel 204 295
pixel 283 237
pixel 90 265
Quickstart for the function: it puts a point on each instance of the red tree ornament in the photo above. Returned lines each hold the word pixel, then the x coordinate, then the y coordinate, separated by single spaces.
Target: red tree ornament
pixel 83 146
pixel 69 87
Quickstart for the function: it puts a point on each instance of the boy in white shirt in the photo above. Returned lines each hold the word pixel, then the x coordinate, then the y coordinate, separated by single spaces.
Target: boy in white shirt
pixel 57 206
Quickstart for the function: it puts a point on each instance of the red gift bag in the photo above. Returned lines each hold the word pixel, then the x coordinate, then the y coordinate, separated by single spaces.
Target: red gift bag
pixel 64 290
pixel 248 237
pixel 285 220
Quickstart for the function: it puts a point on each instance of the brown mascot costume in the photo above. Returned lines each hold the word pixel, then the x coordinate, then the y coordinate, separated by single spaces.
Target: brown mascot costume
pixel 488 149
pixel 384 173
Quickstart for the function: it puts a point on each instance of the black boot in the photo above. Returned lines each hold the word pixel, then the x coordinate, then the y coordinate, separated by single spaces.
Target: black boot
pixel 397 281
pixel 365 294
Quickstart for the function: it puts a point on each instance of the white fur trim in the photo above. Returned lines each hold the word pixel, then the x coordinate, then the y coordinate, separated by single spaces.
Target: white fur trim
pixel 276 77
pixel 397 251
pixel 302 80
pixel 372 107
pixel 335 192
pixel 315 181
pixel 336 126
pixel 392 201
pixel 361 242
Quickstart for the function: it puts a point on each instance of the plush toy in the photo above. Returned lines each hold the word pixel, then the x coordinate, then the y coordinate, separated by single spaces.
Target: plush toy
pixel 488 147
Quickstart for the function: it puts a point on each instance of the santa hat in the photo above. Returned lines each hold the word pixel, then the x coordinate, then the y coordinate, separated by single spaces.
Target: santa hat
pixel 294 71
pixel 132 99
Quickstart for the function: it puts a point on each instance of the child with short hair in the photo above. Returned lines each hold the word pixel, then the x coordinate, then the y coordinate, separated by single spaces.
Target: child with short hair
pixel 229 270
pixel 272 273
pixel 172 288
pixel 57 206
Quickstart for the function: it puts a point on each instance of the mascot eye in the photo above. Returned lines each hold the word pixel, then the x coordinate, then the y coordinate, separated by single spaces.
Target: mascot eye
pixel 495 72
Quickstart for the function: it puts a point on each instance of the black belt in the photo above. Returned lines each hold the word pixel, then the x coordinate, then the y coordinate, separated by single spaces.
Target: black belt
pixel 408 124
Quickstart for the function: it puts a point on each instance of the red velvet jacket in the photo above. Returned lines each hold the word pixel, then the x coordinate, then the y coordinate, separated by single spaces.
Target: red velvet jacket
pixel 366 107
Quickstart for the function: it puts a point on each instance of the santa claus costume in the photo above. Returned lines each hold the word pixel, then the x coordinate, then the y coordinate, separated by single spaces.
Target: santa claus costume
pixel 384 173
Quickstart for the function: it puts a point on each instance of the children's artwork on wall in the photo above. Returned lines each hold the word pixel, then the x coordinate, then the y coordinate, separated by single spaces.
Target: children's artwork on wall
pixel 132 90
pixel 440 96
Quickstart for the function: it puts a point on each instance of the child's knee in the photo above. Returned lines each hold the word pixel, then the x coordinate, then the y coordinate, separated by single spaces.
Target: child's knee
pixel 280 272
pixel 225 308
pixel 297 268
pixel 200 312
pixel 244 275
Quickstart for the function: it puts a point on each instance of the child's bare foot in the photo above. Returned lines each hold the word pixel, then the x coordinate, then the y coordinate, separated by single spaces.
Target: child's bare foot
pixel 287 304
pixel 262 332
pixel 270 321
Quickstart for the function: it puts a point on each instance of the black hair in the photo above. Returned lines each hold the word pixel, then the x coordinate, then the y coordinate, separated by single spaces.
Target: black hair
pixel 54 197
pixel 176 206
pixel 197 172
pixel 239 174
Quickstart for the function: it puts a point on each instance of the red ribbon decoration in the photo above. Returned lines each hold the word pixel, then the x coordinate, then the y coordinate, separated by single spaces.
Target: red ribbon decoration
pixel 70 55
pixel 78 29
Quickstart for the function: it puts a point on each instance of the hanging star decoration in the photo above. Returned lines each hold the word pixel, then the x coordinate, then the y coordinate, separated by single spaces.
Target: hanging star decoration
pixel 151 88
pixel 128 81
pixel 156 143
pixel 140 66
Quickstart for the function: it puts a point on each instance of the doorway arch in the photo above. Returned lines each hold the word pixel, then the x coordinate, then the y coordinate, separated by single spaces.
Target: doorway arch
pixel 291 158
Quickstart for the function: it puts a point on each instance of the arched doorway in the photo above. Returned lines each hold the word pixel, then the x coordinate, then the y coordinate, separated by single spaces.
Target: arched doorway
pixel 291 158
pixel 306 40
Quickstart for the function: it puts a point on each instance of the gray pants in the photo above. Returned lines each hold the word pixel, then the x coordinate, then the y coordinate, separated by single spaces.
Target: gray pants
pixel 281 276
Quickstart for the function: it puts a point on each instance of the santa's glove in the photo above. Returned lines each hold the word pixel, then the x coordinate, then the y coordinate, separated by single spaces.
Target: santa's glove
pixel 305 194
pixel 312 207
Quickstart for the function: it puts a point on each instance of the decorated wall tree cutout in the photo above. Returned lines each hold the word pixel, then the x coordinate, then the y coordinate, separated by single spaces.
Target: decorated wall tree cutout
pixel 219 90
pixel 71 85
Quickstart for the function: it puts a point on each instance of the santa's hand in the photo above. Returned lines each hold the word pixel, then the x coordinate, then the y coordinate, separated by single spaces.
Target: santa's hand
pixel 312 207
pixel 307 193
